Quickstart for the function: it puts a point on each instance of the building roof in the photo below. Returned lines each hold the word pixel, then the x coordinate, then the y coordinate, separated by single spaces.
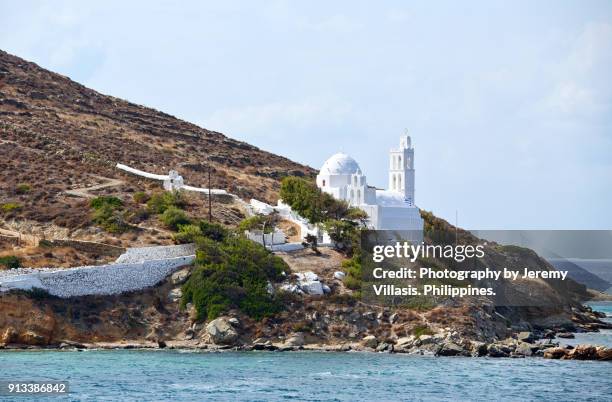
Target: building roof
pixel 340 164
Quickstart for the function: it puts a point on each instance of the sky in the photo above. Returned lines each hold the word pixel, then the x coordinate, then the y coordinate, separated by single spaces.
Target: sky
pixel 509 103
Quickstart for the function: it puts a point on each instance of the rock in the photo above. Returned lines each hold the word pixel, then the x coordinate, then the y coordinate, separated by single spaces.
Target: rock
pixel 369 315
pixel 295 340
pixel 478 349
pixel 175 295
pixel 32 338
pixel 221 331
pixel 384 346
pixel 326 289
pixel 450 349
pixel 189 334
pixel 526 336
pixel 555 353
pixel 65 344
pixel 393 318
pixel 370 341
pixel 405 342
pixel 312 287
pixel 424 340
pixel 582 352
pixel 604 353
pixel 161 344
pixel 566 335
pixel 523 349
pixel 9 336
pixel 339 275
pixel 496 350
pixel 180 276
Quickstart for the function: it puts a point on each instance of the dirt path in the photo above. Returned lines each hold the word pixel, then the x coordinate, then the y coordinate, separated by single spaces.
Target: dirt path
pixel 85 191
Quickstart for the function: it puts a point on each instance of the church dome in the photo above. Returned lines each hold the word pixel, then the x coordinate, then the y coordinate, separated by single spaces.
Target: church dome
pixel 340 164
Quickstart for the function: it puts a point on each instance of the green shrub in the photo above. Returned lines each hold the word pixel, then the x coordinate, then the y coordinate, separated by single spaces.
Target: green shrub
pixel 140 197
pixel 174 217
pixel 213 231
pixel 139 215
pixel 105 200
pixel 159 202
pixel 187 234
pixel 257 222
pixel 421 330
pixel 111 219
pixel 10 262
pixel 23 188
pixel 233 273
pixel 10 207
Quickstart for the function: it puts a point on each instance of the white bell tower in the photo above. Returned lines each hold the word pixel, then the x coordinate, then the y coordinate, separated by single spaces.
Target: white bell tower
pixel 401 169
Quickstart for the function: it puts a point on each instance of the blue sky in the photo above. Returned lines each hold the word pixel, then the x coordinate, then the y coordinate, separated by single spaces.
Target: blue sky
pixel 509 103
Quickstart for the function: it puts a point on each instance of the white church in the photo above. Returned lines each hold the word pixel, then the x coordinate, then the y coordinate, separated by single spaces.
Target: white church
pixel 392 209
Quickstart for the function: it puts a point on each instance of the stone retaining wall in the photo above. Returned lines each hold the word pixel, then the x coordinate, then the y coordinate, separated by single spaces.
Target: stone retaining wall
pixel 136 269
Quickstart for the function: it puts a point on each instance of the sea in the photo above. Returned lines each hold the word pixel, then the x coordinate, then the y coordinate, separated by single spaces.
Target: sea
pixel 161 375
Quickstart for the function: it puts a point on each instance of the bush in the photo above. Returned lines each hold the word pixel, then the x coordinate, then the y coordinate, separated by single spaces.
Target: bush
pixel 10 207
pixel 140 197
pixel 174 217
pixel 200 231
pixel 233 273
pixel 10 262
pixel 104 200
pixel 110 219
pixel 139 215
pixel 23 188
pixel 158 203
pixel 257 222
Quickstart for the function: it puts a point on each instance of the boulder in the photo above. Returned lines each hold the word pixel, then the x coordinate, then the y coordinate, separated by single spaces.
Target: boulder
pixel 393 318
pixel 339 275
pixel 312 287
pixel 496 350
pixel 384 347
pixel 370 341
pixel 180 276
pixel 566 335
pixel 478 349
pixel 9 336
pixel 582 352
pixel 32 338
pixel 523 349
pixel 221 331
pixel 555 353
pixel 295 340
pixel 450 349
pixel 175 295
pixel 405 342
pixel 526 336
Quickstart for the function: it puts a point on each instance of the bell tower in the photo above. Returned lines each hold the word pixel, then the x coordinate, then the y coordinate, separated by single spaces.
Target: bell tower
pixel 401 169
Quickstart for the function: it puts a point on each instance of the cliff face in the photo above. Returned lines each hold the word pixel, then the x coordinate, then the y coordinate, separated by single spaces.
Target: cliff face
pixel 57 135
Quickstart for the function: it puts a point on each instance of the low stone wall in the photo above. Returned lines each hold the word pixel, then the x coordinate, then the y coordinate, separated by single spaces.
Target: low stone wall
pixel 85 246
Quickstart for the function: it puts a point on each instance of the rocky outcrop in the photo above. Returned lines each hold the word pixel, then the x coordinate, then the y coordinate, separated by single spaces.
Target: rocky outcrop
pixel 222 331
pixel 580 352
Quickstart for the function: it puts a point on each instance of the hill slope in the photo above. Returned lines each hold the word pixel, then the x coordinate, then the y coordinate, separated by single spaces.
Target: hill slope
pixel 57 135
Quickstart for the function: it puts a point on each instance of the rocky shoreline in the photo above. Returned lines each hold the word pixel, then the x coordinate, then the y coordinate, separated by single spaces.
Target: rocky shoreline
pixel 222 336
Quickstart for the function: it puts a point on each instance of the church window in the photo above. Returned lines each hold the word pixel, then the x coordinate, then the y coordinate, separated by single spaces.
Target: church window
pixel 358 196
pixel 352 195
pixel 323 183
pixel 394 183
pixel 399 162
pixel 399 182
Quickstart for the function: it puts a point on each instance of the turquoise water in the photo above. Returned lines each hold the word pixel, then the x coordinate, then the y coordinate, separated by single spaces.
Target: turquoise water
pixel 162 375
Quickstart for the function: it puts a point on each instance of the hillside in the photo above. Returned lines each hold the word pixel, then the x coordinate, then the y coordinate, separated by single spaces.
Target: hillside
pixel 57 135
